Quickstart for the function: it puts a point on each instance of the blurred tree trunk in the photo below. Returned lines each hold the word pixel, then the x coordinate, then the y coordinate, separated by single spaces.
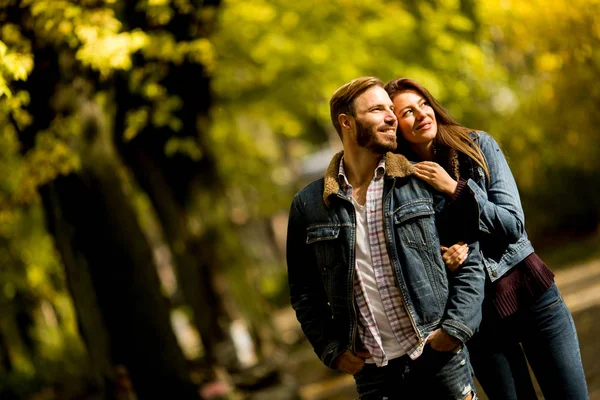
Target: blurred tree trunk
pixel 101 242
pixel 108 237
pixel 15 352
pixel 80 283
pixel 193 272
pixel 168 179
pixel 24 306
pixel 5 361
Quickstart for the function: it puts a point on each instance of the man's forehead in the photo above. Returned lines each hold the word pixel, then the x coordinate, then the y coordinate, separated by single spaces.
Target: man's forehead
pixel 372 96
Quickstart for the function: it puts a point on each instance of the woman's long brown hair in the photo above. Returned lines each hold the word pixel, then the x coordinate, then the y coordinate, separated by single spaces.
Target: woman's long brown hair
pixel 450 133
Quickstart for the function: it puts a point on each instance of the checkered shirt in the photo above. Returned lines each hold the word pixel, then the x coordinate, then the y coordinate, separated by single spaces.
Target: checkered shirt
pixel 385 278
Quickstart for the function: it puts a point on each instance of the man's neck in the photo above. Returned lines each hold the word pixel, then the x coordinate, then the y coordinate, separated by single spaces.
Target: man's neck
pixel 360 165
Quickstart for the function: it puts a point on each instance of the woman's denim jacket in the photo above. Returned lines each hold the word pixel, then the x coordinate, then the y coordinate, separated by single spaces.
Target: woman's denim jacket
pixel 502 238
pixel 321 258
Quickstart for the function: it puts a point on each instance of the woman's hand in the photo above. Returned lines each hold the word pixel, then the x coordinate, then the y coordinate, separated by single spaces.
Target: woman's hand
pixel 455 255
pixel 433 173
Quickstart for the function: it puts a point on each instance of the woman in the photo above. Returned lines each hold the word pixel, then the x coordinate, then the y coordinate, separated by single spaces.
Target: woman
pixel 522 304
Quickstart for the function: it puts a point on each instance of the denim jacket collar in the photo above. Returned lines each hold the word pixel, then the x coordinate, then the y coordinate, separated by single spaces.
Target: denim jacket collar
pixel 396 165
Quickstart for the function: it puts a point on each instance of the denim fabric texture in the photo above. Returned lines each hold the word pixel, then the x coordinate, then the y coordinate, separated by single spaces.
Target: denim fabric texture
pixel 547 333
pixel 434 375
pixel 321 259
pixel 502 238
pixel 545 329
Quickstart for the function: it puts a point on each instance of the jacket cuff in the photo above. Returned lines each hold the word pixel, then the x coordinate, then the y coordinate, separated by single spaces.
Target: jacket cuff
pixel 331 353
pixel 457 329
pixel 460 190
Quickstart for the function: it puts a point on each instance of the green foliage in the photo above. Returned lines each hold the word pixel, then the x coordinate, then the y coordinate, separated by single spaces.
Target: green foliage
pixel 16 63
pixel 525 71
pixel 550 125
pixel 31 270
pixel 89 36
pixel 280 61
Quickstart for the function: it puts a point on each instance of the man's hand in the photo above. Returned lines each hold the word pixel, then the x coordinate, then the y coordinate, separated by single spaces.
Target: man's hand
pixel 434 174
pixel 439 340
pixel 349 363
pixel 455 255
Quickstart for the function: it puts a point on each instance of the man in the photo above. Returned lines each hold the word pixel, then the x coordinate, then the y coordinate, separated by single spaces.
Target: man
pixel 366 275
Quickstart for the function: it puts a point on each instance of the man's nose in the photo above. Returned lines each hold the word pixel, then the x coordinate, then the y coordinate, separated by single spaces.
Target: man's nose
pixel 390 116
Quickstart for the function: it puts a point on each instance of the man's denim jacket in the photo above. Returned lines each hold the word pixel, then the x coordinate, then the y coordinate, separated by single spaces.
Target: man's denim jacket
pixel 502 237
pixel 321 258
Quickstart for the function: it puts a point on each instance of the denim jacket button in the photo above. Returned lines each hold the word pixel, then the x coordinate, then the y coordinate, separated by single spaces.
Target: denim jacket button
pixel 494 274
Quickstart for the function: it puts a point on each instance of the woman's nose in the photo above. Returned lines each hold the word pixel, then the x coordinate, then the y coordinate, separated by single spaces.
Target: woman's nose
pixel 419 114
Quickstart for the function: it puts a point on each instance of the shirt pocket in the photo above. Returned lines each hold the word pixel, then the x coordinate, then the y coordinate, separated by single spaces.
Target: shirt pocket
pixel 415 222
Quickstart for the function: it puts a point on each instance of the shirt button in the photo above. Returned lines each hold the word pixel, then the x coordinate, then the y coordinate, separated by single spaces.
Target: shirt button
pixel 494 274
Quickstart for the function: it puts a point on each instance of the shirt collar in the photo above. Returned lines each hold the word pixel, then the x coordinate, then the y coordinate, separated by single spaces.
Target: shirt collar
pixel 343 179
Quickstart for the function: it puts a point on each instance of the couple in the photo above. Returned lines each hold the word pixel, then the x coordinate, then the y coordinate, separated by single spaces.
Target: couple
pixel 389 261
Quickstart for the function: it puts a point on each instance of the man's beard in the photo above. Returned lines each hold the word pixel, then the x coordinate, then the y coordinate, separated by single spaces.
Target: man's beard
pixel 367 138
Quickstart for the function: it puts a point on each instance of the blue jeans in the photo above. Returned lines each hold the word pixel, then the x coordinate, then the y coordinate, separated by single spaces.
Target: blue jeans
pixel 434 375
pixel 549 340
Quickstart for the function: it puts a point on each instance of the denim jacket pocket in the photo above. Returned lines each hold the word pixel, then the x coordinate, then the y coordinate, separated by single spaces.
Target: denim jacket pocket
pixel 416 224
pixel 322 240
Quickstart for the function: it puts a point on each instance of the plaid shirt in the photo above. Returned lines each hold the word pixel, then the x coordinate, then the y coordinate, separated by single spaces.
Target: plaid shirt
pixel 393 304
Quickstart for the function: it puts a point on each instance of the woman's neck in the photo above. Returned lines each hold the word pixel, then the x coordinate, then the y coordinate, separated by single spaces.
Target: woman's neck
pixel 424 152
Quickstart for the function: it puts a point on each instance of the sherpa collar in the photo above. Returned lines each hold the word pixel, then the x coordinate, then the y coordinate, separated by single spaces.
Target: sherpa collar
pixel 396 165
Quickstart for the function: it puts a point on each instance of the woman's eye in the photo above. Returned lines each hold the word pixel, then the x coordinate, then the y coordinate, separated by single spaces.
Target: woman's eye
pixel 407 112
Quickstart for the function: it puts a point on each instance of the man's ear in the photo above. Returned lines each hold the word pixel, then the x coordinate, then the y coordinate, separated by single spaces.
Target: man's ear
pixel 345 120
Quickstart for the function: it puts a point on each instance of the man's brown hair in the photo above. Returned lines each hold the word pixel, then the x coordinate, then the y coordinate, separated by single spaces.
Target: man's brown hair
pixel 342 101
